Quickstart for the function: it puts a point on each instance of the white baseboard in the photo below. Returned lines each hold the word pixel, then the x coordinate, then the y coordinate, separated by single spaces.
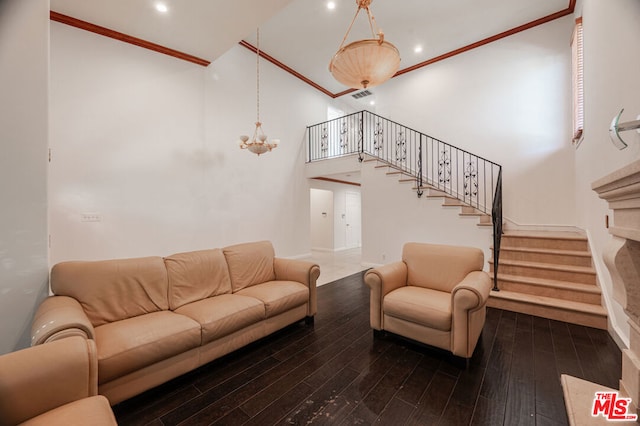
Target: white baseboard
pixel 322 249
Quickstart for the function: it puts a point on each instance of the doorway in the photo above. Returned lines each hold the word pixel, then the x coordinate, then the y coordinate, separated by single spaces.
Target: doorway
pixel 353 218
pixel 321 220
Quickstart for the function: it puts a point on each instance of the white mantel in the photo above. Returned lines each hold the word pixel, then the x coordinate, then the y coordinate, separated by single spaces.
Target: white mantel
pixel 621 189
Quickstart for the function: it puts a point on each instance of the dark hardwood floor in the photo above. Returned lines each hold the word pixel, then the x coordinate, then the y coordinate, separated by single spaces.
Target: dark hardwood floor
pixel 336 372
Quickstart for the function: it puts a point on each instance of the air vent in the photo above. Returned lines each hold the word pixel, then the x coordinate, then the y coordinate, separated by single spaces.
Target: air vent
pixel 362 94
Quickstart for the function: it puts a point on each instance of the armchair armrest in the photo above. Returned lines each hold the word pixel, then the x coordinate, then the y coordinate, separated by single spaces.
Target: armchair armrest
pixel 38 379
pixel 382 280
pixel 59 317
pixel 468 309
pixel 300 271
pixel 472 292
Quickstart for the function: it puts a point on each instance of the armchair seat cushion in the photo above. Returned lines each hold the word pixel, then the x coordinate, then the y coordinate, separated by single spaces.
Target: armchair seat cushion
pixel 134 343
pixel 278 296
pixel 94 410
pixel 223 314
pixel 427 307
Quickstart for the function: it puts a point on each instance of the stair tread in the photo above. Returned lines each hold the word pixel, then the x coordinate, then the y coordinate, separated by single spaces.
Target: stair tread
pixel 553 266
pixel 579 253
pixel 550 302
pixel 470 214
pixel 560 235
pixel 586 288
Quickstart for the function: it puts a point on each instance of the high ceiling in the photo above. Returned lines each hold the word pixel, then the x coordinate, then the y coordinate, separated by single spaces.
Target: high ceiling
pixel 304 34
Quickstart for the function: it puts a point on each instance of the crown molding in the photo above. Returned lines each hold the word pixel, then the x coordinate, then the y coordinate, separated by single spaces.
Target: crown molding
pixel 87 26
pixel 564 12
pixel 97 29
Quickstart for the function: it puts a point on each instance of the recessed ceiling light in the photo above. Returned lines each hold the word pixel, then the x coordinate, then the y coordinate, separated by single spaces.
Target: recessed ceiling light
pixel 417 49
pixel 372 102
pixel 331 5
pixel 161 7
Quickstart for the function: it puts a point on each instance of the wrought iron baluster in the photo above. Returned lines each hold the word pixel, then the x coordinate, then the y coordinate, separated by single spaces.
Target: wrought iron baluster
pixel 444 167
pixel 360 137
pixel 344 135
pixel 378 137
pixel 470 180
pixel 419 179
pixel 324 141
pixel 401 148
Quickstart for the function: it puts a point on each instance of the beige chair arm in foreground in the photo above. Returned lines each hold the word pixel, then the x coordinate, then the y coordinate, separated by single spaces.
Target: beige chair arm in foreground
pixel 53 384
pixel 436 295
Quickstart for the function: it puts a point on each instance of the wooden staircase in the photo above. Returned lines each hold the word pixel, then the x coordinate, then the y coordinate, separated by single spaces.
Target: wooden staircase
pixel 432 192
pixel 549 274
pixel 546 274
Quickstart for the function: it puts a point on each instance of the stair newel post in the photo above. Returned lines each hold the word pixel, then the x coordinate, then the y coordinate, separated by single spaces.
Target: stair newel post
pixel 496 218
pixel 419 178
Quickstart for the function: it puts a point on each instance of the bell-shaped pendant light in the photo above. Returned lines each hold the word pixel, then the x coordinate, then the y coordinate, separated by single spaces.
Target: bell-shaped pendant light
pixel 365 63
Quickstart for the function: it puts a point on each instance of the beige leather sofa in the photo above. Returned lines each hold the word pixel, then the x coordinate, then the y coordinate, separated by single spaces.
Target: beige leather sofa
pixel 53 385
pixel 156 318
pixel 436 295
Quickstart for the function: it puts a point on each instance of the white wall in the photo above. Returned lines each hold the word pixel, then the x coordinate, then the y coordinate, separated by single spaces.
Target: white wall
pixel 612 82
pixel 24 66
pixel 321 218
pixel 339 191
pixel 148 142
pixel 510 102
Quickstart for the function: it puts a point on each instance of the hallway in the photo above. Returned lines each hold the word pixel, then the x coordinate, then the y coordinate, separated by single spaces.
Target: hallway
pixel 336 265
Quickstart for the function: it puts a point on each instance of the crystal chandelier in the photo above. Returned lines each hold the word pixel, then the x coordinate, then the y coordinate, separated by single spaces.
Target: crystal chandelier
pixel 258 143
pixel 365 63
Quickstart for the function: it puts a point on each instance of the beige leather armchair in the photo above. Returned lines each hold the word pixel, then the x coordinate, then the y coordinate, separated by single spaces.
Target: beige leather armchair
pixel 53 384
pixel 436 295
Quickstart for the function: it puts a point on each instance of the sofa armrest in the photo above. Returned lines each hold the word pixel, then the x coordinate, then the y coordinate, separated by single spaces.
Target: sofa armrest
pixel 300 271
pixel 468 309
pixel 38 379
pixel 381 281
pixel 58 317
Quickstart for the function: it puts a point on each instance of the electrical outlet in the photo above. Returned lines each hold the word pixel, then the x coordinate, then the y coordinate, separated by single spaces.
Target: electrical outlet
pixel 90 217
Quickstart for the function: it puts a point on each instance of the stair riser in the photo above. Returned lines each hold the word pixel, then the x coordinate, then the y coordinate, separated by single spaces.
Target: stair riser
pixel 548 243
pixel 581 318
pixel 556 259
pixel 486 220
pixel 552 274
pixel 556 292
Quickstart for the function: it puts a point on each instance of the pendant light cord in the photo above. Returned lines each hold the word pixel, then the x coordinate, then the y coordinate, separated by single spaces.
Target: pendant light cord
pixel 372 24
pixel 258 74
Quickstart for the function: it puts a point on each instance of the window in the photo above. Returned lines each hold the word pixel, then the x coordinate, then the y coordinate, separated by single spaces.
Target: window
pixel 578 85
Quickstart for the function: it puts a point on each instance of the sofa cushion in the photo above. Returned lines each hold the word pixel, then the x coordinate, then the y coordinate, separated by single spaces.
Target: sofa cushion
pixel 440 267
pixel 224 314
pixel 134 343
pixel 196 275
pixel 112 290
pixel 250 264
pixel 94 410
pixel 431 308
pixel 278 296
